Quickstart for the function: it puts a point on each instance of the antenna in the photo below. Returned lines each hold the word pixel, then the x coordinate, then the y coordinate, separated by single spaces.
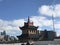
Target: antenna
pixel 53 23
pixel 53 14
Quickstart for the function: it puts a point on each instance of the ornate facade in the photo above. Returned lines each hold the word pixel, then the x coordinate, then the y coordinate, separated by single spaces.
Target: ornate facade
pixel 29 31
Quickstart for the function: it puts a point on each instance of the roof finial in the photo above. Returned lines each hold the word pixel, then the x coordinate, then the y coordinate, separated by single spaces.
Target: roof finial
pixel 28 19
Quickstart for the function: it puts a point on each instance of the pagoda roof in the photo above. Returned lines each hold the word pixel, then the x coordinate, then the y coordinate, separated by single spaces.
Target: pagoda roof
pixel 29 27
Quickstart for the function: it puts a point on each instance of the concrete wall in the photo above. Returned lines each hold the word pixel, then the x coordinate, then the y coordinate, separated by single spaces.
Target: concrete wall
pixel 12 44
pixel 47 43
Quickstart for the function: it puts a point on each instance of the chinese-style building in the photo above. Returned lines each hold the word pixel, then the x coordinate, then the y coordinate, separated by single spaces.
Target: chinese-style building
pixel 30 32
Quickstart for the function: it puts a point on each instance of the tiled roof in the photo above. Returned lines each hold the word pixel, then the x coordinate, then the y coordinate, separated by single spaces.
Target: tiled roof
pixel 29 27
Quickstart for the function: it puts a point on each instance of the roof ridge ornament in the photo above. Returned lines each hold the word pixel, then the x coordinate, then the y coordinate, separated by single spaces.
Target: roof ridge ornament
pixel 28 19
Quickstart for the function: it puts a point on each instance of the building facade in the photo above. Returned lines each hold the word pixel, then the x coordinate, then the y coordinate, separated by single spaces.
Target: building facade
pixel 29 31
pixel 47 35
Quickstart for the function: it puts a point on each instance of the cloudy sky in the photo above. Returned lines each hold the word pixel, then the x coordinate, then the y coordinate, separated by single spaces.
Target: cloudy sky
pixel 13 13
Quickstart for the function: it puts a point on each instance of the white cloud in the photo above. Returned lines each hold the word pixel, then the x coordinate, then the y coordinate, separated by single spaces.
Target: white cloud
pixel 57 25
pixel 11 25
pixel 50 10
pixel 40 20
pixel 19 22
pixel 14 24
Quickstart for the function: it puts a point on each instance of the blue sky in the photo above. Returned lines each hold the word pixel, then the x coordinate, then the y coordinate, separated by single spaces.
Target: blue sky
pixel 15 9
pixel 13 13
